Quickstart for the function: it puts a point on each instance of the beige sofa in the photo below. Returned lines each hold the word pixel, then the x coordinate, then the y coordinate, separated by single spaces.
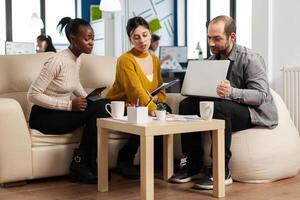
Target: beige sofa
pixel 26 153
pixel 29 154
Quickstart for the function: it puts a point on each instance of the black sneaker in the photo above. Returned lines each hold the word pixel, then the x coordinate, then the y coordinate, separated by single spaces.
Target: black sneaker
pixel 128 170
pixel 206 183
pixel 184 175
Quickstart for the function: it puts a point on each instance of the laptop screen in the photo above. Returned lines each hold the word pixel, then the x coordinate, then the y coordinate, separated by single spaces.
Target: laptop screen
pixel 202 77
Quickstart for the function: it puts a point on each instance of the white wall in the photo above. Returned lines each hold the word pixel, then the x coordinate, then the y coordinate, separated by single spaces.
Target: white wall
pixel 276 36
pixel 286 37
pixel 260 27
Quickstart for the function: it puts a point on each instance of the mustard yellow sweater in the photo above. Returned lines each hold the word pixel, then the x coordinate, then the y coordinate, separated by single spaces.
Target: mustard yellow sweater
pixel 131 82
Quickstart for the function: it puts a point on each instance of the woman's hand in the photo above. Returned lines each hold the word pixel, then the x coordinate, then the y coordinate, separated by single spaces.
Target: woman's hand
pixel 153 98
pixel 79 104
pixel 152 113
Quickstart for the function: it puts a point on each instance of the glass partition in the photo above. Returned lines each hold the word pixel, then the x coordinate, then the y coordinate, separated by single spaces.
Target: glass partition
pixel 2 27
pixel 244 22
pixel 21 15
pixel 54 13
pixel 196 27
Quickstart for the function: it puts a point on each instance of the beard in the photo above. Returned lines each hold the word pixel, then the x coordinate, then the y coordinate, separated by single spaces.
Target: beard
pixel 223 50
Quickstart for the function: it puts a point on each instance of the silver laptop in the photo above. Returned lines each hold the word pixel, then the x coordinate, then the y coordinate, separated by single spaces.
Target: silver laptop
pixel 202 77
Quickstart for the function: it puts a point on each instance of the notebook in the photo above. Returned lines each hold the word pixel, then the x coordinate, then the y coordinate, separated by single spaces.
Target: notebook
pixel 202 77
pixel 164 86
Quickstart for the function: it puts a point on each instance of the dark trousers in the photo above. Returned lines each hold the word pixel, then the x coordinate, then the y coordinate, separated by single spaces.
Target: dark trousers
pixel 49 121
pixel 127 153
pixel 236 116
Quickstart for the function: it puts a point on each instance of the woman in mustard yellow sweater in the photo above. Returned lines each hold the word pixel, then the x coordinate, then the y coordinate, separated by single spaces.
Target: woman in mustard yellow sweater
pixel 138 72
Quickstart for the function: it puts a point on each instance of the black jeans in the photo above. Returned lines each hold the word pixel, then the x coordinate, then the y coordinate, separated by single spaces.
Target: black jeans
pixel 127 153
pixel 236 116
pixel 50 121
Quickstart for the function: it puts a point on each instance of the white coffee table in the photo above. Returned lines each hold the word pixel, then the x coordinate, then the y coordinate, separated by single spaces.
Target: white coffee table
pixel 154 128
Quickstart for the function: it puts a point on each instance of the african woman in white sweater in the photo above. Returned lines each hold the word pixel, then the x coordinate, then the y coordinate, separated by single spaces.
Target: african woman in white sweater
pixel 55 112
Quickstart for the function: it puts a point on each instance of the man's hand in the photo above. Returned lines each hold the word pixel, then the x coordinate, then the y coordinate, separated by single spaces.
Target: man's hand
pixel 223 90
pixel 79 104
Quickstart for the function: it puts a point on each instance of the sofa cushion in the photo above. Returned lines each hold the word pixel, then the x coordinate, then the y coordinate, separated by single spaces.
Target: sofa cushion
pixel 17 74
pixel 40 139
pixel 97 71
pixel 18 71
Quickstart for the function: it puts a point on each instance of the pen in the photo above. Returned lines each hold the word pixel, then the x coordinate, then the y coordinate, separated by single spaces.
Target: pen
pixel 156 102
pixel 151 98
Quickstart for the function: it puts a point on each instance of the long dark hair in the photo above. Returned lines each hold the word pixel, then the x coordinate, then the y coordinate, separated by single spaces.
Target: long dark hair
pixel 47 38
pixel 154 38
pixel 134 22
pixel 71 26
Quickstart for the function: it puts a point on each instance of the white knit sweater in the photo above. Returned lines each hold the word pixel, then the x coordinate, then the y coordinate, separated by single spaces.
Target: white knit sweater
pixel 57 81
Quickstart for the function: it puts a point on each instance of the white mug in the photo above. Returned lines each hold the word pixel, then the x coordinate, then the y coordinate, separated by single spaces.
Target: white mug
pixel 206 109
pixel 117 109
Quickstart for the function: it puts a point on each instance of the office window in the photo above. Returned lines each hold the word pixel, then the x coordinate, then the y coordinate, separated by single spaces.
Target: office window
pixel 244 22
pixel 197 17
pixel 181 31
pixel 219 7
pixel 54 13
pixel 196 27
pixel 2 27
pixel 21 14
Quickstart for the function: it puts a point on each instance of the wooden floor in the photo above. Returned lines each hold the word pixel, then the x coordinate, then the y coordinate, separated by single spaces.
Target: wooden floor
pixel 121 189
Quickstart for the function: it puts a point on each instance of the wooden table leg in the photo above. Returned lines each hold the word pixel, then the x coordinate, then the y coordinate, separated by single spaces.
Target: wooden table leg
pixel 168 156
pixel 147 169
pixel 218 163
pixel 102 160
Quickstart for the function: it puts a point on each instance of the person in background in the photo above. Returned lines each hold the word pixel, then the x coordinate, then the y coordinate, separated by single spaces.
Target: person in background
pixel 154 46
pixel 55 112
pixel 138 73
pixel 154 42
pixel 245 100
pixel 44 44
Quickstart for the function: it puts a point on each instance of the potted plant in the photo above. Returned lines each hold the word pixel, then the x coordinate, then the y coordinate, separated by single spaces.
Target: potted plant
pixel 161 111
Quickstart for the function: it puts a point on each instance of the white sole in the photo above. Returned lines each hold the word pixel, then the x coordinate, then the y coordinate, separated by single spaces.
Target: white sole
pixel 200 175
pixel 210 187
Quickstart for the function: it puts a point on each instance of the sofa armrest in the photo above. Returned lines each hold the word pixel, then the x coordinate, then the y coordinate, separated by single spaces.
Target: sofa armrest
pixel 173 100
pixel 15 143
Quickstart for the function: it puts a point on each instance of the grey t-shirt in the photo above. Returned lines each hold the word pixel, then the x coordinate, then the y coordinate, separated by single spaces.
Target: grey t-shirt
pixel 248 79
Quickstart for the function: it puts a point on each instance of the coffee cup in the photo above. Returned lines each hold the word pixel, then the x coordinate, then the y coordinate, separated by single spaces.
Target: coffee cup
pixel 116 110
pixel 206 109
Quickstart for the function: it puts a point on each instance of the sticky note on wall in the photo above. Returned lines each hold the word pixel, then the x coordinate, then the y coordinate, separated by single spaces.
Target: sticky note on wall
pixel 96 13
pixel 154 25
